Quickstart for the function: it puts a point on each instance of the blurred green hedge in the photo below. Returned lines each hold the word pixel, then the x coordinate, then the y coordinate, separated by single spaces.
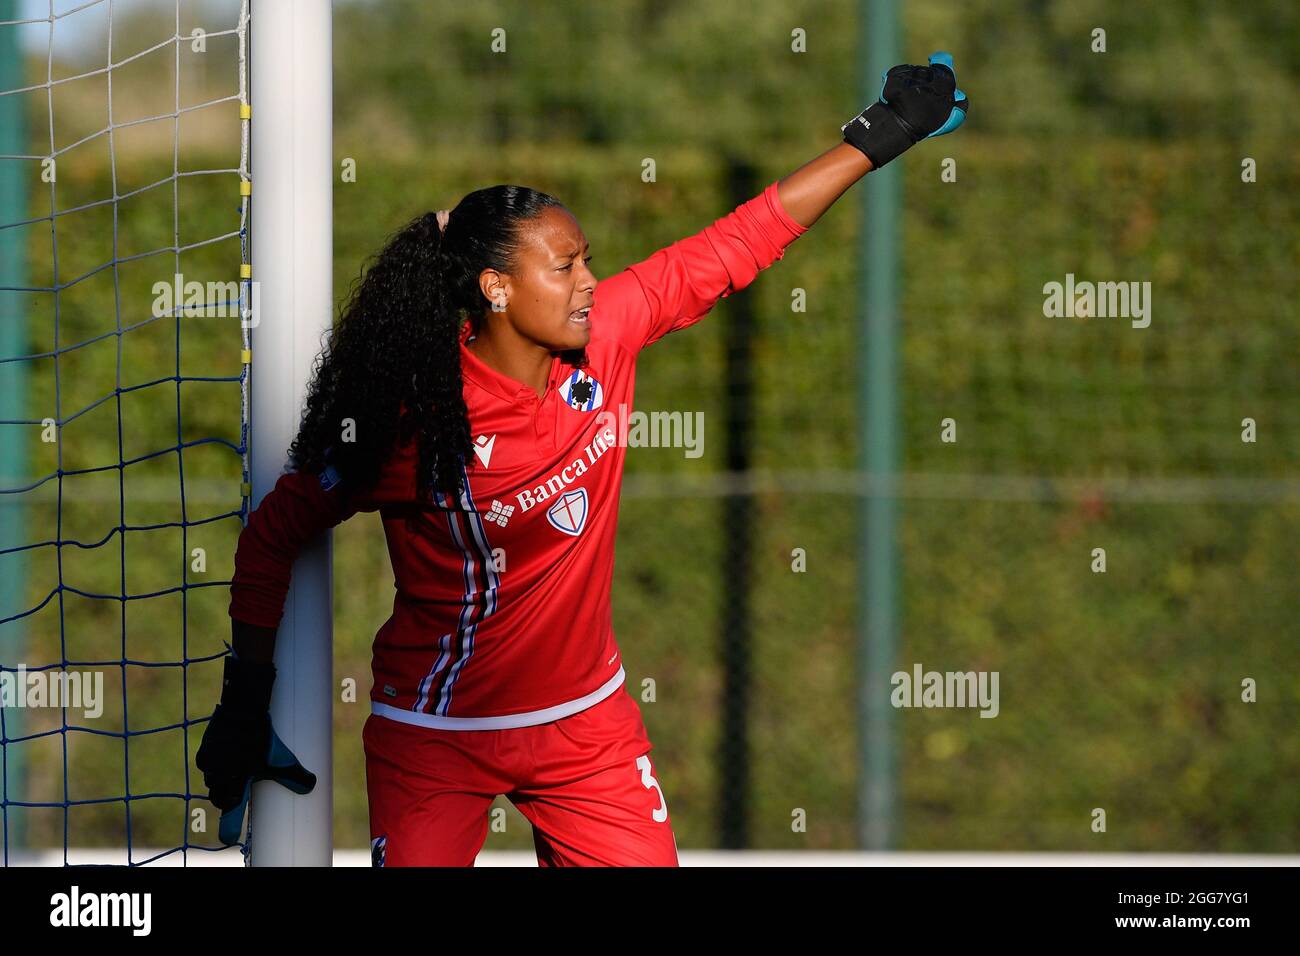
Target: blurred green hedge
pixel 1120 691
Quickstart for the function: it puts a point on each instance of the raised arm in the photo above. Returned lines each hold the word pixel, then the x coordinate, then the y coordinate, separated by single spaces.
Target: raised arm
pixel 679 284
pixel 813 188
pixel 915 103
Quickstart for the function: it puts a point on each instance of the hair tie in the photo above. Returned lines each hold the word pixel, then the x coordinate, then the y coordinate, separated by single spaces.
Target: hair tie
pixel 443 216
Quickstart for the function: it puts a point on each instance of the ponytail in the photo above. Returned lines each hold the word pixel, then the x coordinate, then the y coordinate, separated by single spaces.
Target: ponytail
pixel 392 365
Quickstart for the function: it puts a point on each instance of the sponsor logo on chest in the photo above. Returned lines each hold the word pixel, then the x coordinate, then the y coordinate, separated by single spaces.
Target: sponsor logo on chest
pixel 568 512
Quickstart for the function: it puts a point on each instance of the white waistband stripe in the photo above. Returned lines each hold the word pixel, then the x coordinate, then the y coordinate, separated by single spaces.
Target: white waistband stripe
pixel 526 719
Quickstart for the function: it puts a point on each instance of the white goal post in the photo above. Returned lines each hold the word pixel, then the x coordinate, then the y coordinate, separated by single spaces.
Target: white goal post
pixel 291 206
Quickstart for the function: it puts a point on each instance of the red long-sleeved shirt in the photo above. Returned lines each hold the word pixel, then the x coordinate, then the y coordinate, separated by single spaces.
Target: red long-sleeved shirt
pixel 502 611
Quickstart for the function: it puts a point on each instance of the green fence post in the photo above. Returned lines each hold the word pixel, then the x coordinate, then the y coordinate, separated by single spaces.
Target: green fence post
pixel 878 402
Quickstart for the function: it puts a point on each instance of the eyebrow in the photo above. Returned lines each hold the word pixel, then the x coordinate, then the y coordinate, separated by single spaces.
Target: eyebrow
pixel 586 247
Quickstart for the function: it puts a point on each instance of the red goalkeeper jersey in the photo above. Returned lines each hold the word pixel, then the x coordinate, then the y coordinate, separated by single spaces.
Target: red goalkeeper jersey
pixel 501 616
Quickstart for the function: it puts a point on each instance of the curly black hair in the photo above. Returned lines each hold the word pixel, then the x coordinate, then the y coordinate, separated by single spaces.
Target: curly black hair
pixel 392 365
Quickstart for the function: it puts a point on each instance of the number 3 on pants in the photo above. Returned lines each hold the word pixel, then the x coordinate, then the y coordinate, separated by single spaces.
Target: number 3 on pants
pixel 648 780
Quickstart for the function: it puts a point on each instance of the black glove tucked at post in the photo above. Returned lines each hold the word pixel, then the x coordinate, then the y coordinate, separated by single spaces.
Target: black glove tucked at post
pixel 240 746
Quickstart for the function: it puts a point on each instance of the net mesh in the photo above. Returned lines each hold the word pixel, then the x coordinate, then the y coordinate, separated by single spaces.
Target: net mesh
pixel 125 416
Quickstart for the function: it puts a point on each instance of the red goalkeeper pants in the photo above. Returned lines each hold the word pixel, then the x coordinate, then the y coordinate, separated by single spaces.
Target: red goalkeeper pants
pixel 585 782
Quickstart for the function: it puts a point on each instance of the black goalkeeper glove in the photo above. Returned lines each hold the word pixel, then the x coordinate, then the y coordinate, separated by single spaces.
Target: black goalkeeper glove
pixel 916 102
pixel 240 746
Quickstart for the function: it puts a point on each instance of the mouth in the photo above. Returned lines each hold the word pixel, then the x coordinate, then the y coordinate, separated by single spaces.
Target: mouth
pixel 581 317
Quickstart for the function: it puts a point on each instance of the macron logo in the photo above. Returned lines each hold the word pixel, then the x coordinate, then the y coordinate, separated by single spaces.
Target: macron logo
pixel 483 448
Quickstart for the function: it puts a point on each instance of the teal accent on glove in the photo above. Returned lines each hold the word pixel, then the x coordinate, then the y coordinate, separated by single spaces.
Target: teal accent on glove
pixel 283 768
pixel 915 103
pixel 958 114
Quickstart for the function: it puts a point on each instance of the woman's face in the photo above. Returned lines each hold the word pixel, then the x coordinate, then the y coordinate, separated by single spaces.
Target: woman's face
pixel 547 299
